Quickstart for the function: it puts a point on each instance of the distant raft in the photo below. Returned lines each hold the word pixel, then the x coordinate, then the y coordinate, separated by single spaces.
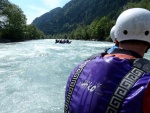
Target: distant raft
pixel 63 41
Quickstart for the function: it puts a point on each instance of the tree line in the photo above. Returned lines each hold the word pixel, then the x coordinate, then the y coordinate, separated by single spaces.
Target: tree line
pixel 99 28
pixel 13 27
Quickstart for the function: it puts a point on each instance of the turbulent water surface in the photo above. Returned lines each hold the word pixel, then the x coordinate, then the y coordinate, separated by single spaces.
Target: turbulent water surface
pixel 33 74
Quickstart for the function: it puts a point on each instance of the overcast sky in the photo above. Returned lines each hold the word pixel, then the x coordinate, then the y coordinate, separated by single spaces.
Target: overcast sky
pixel 35 8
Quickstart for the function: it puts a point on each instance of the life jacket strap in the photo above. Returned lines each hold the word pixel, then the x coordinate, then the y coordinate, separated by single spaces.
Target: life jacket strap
pixel 140 66
pixel 72 85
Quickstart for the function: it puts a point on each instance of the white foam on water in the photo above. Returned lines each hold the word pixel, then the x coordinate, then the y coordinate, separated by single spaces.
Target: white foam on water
pixel 33 74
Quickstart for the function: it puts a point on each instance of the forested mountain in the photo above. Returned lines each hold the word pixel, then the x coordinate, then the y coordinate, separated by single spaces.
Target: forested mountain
pixel 78 19
pixel 77 13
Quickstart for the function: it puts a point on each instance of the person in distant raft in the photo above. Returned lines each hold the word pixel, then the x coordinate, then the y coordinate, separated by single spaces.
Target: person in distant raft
pixel 118 82
pixel 112 35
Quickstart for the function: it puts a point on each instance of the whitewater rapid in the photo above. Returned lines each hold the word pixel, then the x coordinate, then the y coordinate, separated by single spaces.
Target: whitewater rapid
pixel 33 74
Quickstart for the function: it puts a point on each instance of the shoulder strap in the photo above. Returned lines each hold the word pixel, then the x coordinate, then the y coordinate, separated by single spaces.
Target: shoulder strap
pixel 140 66
pixel 72 85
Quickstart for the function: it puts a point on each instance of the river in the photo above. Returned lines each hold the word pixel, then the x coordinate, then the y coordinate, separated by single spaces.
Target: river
pixel 33 74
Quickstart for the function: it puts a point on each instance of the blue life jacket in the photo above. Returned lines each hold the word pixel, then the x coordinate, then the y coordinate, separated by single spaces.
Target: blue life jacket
pixel 111 49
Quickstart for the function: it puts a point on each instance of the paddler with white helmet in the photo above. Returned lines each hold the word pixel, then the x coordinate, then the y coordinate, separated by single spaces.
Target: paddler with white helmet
pixel 117 82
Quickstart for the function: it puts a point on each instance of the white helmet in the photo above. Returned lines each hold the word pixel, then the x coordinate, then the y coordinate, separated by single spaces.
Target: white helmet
pixel 112 33
pixel 133 24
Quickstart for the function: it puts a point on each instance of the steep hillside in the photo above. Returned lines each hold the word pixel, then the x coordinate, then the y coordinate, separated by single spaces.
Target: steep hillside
pixel 79 12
